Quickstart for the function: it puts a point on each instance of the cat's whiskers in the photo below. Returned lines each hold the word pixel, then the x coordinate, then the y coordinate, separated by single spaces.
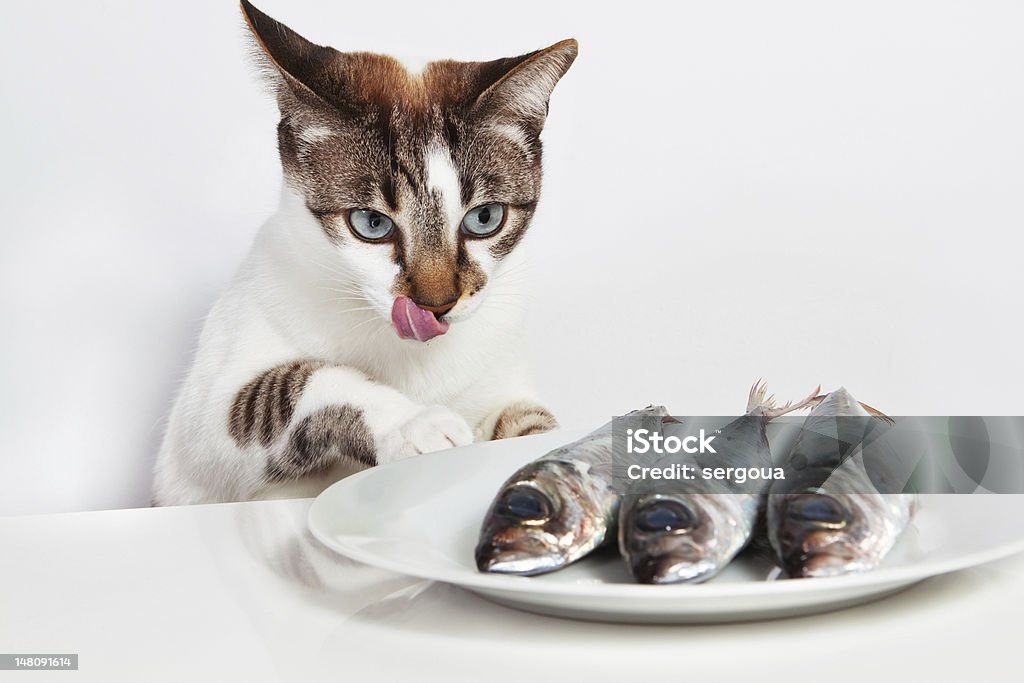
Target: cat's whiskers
pixel 510 282
pixel 356 310
pixel 511 287
pixel 339 275
pixel 342 283
pixel 510 294
pixel 365 322
pixel 350 298
pixel 325 265
pixel 515 273
pixel 500 305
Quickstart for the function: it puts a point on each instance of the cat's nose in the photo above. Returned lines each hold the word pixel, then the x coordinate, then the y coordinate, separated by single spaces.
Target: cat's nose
pixel 438 310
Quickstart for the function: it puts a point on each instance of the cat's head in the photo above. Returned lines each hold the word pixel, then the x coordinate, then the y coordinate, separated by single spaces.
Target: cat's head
pixel 422 183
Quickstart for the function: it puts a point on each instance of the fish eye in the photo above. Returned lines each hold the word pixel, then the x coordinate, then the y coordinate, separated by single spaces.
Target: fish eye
pixel 370 225
pixel 523 502
pixel 665 515
pixel 818 509
pixel 483 221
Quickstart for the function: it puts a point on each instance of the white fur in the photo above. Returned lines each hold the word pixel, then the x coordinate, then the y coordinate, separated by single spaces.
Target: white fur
pixel 514 133
pixel 314 134
pixel 443 179
pixel 298 295
pixel 414 64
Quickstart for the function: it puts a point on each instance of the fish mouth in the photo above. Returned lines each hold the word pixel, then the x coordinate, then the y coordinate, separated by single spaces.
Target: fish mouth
pixel 671 568
pixel 514 561
pixel 822 564
pixel 517 550
pixel 813 537
pixel 819 554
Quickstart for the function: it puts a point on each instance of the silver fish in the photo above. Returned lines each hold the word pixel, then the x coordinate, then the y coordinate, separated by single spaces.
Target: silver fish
pixel 691 532
pixel 827 517
pixel 554 510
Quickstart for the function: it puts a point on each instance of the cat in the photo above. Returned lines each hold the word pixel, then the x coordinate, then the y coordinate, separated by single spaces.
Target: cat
pixel 380 311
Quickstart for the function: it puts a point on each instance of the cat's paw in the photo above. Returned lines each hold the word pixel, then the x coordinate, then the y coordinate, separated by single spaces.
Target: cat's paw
pixel 430 429
pixel 520 418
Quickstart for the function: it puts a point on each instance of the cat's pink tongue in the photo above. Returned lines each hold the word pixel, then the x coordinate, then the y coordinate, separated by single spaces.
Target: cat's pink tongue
pixel 412 322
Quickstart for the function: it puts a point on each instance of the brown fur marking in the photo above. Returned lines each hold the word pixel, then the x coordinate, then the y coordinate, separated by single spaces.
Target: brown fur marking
pixel 263 408
pixel 322 439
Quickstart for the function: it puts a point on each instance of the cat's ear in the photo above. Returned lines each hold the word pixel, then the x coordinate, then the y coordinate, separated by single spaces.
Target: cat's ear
pixel 295 67
pixel 519 88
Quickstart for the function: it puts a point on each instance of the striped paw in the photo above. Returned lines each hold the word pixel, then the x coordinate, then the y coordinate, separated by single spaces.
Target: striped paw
pixel 523 419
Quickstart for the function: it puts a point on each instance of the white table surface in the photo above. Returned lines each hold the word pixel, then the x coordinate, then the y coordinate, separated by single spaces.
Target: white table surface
pixel 242 592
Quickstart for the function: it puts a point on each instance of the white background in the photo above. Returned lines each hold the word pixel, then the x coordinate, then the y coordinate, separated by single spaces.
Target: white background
pixel 796 191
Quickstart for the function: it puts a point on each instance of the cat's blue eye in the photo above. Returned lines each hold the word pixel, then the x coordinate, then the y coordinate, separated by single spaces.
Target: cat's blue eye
pixel 483 220
pixel 370 225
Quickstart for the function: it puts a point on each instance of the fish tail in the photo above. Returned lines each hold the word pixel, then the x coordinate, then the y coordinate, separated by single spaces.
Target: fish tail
pixel 875 412
pixel 760 402
pixel 758 399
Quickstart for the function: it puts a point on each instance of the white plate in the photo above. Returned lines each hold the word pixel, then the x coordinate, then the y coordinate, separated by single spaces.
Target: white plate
pixel 421 517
